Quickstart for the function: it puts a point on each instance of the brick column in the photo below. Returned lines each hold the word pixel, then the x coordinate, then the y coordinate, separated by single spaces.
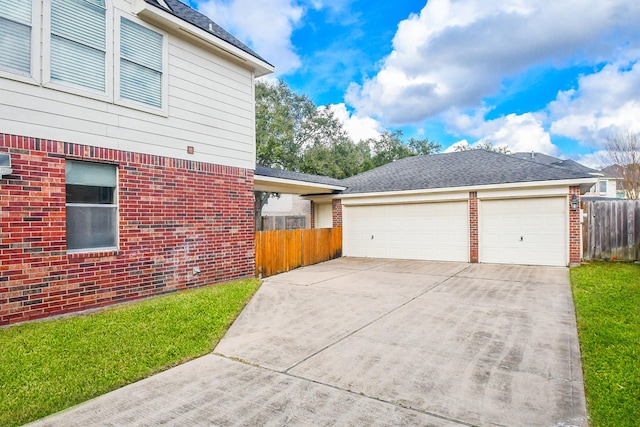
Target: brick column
pixel 473 226
pixel 313 215
pixel 337 212
pixel 575 229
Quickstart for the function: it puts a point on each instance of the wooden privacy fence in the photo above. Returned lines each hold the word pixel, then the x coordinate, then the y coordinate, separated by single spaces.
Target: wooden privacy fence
pixel 278 251
pixel 611 230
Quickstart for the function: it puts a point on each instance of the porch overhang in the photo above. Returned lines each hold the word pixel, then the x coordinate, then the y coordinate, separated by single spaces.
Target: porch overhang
pixel 292 186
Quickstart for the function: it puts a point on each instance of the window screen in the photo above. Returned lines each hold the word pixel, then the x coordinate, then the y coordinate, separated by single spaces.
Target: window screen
pixel 78 43
pixel 140 64
pixel 15 36
pixel 92 210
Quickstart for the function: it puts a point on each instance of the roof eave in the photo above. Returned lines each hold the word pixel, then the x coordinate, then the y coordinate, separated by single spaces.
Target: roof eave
pixel 584 183
pixel 165 20
pixel 291 186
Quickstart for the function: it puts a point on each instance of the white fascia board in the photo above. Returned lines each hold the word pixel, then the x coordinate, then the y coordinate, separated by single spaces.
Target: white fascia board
pixel 291 186
pixel 167 21
pixel 405 199
pixel 584 183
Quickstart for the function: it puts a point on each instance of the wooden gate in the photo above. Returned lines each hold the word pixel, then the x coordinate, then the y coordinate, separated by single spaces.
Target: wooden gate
pixel 611 230
pixel 278 251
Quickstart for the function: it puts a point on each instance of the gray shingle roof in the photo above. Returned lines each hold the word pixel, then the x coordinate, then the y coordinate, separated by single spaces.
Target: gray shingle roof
pixel 194 17
pixel 297 176
pixel 550 160
pixel 459 169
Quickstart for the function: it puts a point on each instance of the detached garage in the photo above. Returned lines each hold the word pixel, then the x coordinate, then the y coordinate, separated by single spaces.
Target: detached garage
pixel 401 230
pixel 470 206
pixel 524 231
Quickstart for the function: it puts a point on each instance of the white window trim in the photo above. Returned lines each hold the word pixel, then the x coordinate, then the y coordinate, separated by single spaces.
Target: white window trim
pixel 164 111
pixel 115 205
pixel 34 78
pixel 107 95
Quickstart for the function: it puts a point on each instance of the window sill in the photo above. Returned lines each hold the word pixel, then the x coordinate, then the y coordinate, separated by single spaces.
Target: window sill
pixel 98 253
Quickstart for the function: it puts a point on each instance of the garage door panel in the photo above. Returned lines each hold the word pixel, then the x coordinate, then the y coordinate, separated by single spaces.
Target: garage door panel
pixel 524 231
pixel 430 231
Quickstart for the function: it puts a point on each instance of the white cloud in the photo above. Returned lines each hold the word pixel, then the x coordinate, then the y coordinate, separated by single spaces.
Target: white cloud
pixel 523 132
pixel 265 25
pixel 357 127
pixel 454 53
pixel 596 160
pixel 604 103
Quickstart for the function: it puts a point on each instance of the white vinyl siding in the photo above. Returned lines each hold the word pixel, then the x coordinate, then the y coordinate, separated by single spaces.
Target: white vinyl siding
pixel 524 231
pixel 78 43
pixel 210 100
pixel 141 64
pixel 424 231
pixel 15 36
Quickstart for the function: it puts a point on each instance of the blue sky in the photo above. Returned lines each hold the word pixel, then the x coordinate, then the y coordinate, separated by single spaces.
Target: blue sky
pixel 528 74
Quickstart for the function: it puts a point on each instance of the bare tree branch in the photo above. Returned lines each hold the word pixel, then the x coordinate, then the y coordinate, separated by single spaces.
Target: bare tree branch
pixel 623 150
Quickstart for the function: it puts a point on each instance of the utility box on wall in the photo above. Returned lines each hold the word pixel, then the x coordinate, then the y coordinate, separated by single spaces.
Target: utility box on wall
pixel 5 164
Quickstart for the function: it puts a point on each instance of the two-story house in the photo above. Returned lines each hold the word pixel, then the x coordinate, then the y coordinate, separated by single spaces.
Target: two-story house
pixel 127 140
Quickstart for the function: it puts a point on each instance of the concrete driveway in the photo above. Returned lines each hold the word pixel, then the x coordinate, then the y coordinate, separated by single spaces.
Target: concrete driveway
pixel 377 342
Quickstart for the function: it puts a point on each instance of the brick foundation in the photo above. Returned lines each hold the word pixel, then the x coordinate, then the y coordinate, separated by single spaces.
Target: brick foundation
pixel 174 215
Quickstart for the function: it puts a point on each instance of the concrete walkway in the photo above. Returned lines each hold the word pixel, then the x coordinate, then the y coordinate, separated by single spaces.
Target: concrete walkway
pixel 354 342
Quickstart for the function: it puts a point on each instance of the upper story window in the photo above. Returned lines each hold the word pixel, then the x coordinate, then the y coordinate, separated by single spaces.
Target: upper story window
pixel 603 186
pixel 78 43
pixel 141 64
pixel 85 47
pixel 15 36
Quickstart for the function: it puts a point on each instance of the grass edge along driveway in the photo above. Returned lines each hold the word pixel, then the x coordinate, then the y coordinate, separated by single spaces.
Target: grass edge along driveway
pixel 607 301
pixel 50 365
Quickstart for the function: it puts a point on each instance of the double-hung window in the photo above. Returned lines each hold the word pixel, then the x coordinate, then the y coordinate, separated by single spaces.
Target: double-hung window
pixel 141 64
pixel 79 44
pixel 15 36
pixel 92 208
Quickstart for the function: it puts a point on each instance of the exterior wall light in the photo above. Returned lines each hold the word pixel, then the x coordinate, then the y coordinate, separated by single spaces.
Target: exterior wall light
pixel 575 204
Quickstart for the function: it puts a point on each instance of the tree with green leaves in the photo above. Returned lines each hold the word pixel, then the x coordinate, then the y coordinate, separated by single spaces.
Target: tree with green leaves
pixel 293 134
pixel 485 145
pixel 287 124
pixel 389 147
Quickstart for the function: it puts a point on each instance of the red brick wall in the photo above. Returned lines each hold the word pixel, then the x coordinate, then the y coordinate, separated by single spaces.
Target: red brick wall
pixel 336 210
pixel 312 221
pixel 575 229
pixel 473 226
pixel 174 215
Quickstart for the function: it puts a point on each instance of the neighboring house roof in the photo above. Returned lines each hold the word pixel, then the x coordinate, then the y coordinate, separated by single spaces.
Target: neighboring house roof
pixel 458 169
pixel 613 171
pixel 545 159
pixel 196 18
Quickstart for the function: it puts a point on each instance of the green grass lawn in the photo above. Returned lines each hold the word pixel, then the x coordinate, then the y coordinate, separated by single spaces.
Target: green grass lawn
pixel 607 300
pixel 51 365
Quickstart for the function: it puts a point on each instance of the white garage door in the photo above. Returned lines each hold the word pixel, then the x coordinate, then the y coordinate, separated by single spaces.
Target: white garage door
pixel 524 231
pixel 427 231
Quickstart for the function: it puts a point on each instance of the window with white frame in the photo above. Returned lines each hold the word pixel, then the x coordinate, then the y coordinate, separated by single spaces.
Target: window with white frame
pixel 603 186
pixel 92 208
pixel 15 36
pixel 141 64
pixel 78 43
